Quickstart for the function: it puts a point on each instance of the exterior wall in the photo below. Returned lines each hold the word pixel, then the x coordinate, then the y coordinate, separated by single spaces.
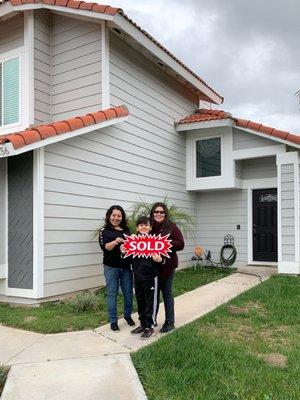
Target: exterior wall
pixel 218 214
pixel 288 212
pixel 67 67
pixel 245 140
pixel 11 33
pixel 257 168
pixel 42 67
pixel 76 71
pixel 143 158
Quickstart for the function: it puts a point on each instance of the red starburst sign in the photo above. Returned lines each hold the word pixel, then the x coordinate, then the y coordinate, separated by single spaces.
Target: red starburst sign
pixel 147 245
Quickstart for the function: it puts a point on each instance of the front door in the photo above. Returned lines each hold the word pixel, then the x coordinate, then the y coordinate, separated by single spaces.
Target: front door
pixel 264 225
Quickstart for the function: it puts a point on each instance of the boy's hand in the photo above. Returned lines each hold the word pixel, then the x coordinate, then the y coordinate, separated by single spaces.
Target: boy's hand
pixel 157 258
pixel 122 249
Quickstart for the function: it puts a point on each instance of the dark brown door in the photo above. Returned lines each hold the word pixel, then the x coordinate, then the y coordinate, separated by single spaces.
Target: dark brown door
pixel 265 225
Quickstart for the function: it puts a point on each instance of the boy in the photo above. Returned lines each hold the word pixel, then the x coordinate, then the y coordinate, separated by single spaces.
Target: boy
pixel 145 283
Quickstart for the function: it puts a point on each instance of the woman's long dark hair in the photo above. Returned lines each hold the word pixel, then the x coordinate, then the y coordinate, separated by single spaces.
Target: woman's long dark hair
pixel 166 226
pixel 123 223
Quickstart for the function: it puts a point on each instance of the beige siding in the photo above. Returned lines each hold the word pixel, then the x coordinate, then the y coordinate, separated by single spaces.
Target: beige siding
pixel 76 71
pixel 42 66
pixel 246 140
pixel 143 158
pixel 258 168
pixel 11 34
pixel 287 212
pixel 218 214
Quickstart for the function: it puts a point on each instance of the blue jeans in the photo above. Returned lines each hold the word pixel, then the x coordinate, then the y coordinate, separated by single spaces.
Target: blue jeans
pixel 116 277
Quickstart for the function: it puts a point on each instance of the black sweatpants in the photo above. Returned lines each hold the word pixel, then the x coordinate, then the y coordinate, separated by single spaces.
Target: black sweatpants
pixel 146 297
pixel 165 287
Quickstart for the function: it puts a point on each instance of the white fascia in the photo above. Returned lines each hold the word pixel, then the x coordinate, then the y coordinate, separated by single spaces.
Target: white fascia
pixel 28 84
pixel 204 125
pixel 7 149
pixel 257 152
pixel 163 57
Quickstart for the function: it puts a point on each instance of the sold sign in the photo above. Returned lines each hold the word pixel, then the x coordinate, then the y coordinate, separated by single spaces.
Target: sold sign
pixel 147 245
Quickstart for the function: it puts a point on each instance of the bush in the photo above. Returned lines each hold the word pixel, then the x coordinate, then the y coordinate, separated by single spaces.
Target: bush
pixel 86 301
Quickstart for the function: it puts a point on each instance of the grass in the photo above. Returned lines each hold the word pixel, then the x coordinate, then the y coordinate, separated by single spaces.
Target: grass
pixel 248 349
pixel 61 316
pixel 3 376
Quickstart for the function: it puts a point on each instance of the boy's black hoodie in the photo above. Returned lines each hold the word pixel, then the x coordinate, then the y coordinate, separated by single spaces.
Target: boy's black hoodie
pixel 145 269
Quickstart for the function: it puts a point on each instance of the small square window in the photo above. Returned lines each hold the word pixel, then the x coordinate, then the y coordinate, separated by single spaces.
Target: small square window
pixel 208 157
pixel 9 92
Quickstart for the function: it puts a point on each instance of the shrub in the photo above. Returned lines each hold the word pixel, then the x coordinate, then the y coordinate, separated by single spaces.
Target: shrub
pixel 86 301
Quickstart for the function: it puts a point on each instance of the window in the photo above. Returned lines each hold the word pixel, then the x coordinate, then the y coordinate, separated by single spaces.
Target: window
pixel 9 92
pixel 208 157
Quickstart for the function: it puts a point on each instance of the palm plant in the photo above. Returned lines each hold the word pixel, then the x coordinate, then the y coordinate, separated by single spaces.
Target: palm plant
pixel 184 220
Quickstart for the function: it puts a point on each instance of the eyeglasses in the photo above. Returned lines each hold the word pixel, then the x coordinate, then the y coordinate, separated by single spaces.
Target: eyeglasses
pixel 159 212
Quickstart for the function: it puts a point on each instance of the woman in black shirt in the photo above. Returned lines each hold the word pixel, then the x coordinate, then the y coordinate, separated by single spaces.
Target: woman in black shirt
pixel 117 270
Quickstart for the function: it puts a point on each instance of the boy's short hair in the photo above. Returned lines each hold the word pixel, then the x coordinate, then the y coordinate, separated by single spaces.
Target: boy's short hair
pixel 143 219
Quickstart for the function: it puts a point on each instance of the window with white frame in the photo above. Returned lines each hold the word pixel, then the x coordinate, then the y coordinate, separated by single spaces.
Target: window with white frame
pixel 9 91
pixel 208 157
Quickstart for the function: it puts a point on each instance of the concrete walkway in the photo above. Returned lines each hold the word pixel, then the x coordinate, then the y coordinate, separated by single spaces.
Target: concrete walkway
pixel 96 365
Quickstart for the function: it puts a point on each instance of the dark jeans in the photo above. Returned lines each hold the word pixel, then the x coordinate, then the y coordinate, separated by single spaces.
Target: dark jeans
pixel 116 277
pixel 146 297
pixel 165 287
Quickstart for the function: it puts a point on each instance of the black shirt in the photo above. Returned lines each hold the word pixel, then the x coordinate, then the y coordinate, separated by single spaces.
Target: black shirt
pixel 144 268
pixel 113 258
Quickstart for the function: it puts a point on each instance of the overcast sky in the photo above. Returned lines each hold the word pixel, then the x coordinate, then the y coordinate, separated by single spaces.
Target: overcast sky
pixel 248 51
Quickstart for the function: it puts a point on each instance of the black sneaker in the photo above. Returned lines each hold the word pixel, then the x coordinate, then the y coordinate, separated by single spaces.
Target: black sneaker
pixel 139 329
pixel 114 326
pixel 130 321
pixel 167 327
pixel 148 332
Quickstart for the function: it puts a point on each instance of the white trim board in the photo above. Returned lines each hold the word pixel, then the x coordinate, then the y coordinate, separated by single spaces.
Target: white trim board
pixel 289 267
pixel 257 152
pixel 203 125
pixel 38 223
pixel 7 149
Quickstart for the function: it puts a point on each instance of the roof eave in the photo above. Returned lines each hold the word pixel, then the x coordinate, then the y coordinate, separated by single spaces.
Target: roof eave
pixel 207 94
pixel 180 127
pixel 7 149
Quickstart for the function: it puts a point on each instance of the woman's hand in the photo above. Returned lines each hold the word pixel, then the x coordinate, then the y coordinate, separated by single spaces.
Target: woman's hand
pixel 157 258
pixel 111 245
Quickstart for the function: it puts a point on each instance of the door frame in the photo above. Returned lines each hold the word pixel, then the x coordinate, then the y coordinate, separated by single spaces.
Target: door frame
pixel 270 183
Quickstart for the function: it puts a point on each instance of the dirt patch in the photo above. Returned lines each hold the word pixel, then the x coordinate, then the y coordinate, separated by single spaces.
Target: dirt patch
pixel 246 308
pixel 274 359
pixel 30 319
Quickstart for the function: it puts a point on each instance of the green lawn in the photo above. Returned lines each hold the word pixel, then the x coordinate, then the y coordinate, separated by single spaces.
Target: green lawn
pixel 61 316
pixel 248 349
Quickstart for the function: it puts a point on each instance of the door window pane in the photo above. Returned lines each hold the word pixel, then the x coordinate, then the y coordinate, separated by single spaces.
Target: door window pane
pixel 208 157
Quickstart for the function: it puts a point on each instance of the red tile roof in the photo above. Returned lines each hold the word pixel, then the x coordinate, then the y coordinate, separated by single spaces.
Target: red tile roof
pixel 203 115
pixel 105 9
pixel 41 132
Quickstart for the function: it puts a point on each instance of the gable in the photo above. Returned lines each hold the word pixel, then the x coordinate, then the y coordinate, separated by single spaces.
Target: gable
pixel 246 140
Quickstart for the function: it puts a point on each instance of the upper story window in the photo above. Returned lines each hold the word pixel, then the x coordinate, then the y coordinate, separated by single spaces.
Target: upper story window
pixel 9 91
pixel 208 157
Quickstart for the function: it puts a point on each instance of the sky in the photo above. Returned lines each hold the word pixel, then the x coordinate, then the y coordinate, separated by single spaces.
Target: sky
pixel 248 51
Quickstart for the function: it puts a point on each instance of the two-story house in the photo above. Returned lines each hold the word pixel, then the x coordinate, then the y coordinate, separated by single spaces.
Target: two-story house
pixel 93 112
